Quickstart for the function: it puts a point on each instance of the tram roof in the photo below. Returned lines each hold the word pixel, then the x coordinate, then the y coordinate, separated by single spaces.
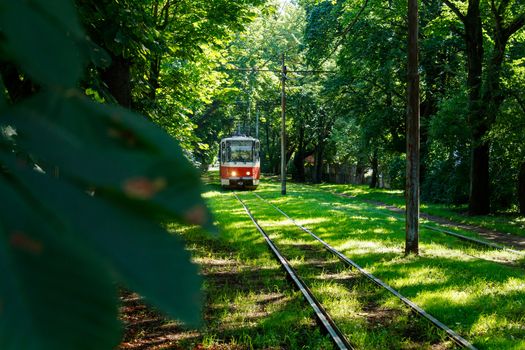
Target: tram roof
pixel 239 138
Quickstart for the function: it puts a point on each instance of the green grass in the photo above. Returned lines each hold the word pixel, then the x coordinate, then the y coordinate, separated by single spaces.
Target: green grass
pixel 367 315
pixel 480 293
pixel 506 223
pixel 459 284
pixel 249 303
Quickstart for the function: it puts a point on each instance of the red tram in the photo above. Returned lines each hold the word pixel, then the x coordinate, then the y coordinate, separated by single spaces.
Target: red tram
pixel 240 162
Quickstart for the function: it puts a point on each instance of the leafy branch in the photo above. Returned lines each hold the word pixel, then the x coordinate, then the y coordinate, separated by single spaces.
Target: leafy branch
pixel 62 250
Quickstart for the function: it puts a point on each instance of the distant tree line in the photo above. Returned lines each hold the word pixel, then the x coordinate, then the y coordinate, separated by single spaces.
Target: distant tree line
pixel 348 124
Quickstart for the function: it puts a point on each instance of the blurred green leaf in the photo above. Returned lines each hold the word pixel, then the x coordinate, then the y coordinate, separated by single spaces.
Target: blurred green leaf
pixel 113 150
pixel 47 277
pixel 3 96
pixel 43 43
pixel 145 257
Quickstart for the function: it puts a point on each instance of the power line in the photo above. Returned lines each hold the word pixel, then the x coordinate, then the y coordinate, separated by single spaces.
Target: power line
pixel 277 70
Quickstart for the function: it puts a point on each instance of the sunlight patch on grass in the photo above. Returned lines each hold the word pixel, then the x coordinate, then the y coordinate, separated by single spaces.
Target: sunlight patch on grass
pixel 267 223
pixel 449 297
pixel 338 300
pixel 512 285
pixel 438 250
pixel 312 221
pixel 212 194
pixel 364 247
pixel 486 323
pixel 380 230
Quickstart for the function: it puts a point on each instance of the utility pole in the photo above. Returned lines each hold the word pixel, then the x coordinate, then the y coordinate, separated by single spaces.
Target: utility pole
pixel 256 122
pixel 250 92
pixel 283 127
pixel 412 176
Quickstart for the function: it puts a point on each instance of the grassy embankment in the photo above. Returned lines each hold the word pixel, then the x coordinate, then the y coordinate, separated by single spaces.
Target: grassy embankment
pixel 250 303
pixel 506 223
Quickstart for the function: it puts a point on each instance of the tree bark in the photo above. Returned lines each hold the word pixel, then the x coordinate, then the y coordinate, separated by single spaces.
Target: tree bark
pixel 153 78
pixel 521 189
pixel 359 173
pixel 375 170
pixel 479 196
pixel 268 151
pixel 118 79
pixel 298 160
pixel 479 199
pixel 318 173
pixel 412 132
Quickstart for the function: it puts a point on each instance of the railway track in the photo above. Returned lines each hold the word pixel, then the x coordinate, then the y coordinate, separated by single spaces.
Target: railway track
pixel 456 338
pixel 324 318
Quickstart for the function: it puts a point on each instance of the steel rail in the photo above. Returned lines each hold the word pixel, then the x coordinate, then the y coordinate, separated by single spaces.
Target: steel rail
pixel 447 232
pixel 337 336
pixel 459 340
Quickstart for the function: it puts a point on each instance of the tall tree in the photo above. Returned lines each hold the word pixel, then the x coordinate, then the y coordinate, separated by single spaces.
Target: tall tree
pixel 485 95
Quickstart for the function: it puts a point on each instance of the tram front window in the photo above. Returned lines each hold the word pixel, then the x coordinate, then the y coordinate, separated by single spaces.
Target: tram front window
pixel 240 151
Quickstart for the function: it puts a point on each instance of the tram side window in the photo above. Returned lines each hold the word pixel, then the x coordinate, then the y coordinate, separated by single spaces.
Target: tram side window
pixel 223 153
pixel 257 150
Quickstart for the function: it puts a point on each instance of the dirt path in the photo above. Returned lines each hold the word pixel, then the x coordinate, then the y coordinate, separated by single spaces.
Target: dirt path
pixel 507 239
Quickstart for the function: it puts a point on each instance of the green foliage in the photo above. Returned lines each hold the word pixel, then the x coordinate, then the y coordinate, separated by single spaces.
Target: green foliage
pixel 251 94
pixel 367 43
pixel 397 171
pixel 508 133
pixel 170 52
pixel 448 158
pixel 365 93
pixel 62 250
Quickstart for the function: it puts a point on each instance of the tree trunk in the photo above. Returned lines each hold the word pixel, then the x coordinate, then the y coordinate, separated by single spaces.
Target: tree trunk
pixel 375 170
pixel 359 173
pixel 521 189
pixel 299 174
pixel 298 160
pixel 118 79
pixel 268 150
pixel 318 173
pixel 479 197
pixel 153 79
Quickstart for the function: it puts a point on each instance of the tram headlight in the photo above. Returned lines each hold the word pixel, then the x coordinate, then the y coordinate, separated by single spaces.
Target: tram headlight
pixel 248 173
pixel 234 173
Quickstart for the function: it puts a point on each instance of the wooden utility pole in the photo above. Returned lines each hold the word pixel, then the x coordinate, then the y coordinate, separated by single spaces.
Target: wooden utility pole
pixel 283 127
pixel 256 122
pixel 412 175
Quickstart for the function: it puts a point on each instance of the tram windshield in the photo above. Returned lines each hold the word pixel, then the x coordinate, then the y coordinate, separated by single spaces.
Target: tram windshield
pixel 239 151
